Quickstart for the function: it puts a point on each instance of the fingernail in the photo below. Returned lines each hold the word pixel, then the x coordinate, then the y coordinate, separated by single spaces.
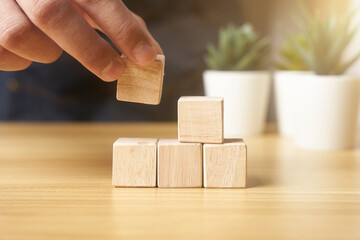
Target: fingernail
pixel 113 70
pixel 144 53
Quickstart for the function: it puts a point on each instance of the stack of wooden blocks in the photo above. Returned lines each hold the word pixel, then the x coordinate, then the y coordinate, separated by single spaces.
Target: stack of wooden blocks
pixel 200 157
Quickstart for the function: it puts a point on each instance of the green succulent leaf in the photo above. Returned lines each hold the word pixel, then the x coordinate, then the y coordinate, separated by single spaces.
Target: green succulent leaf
pixel 238 48
pixel 327 38
pixel 293 53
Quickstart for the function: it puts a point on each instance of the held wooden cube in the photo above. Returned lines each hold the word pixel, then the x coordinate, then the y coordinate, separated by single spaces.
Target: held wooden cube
pixel 141 84
pixel 225 164
pixel 179 164
pixel 201 119
pixel 134 162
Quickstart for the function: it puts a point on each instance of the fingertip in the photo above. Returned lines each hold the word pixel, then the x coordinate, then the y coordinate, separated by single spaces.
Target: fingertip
pixel 11 62
pixel 144 53
pixel 113 70
pixel 159 50
pixel 19 66
pixel 26 65
pixel 52 57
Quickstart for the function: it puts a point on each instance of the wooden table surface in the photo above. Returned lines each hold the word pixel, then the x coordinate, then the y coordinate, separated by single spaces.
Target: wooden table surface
pixel 55 183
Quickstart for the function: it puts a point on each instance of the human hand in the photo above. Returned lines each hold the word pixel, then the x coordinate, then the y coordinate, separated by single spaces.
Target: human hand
pixel 39 30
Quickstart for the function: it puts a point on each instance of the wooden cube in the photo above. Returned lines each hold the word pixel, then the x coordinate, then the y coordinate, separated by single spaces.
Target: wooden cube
pixel 225 164
pixel 134 162
pixel 179 164
pixel 141 84
pixel 201 119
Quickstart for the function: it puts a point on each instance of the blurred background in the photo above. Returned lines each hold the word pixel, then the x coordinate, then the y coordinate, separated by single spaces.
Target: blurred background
pixel 65 91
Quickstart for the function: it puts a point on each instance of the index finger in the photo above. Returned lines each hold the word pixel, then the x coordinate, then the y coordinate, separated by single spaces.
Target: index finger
pixel 121 26
pixel 64 25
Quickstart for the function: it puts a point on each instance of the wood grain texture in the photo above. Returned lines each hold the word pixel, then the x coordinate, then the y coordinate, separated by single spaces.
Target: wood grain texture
pixel 179 164
pixel 225 164
pixel 55 183
pixel 141 84
pixel 201 119
pixel 134 162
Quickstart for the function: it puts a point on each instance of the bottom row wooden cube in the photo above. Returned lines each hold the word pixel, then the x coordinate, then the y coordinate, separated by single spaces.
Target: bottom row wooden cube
pixel 134 162
pixel 225 164
pixel 178 164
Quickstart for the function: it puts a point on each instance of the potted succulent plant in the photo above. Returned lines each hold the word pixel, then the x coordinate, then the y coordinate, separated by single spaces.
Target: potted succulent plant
pixel 237 72
pixel 326 102
pixel 290 69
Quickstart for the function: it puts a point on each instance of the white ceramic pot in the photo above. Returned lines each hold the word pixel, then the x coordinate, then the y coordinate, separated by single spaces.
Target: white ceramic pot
pixel 246 99
pixel 284 88
pixel 327 114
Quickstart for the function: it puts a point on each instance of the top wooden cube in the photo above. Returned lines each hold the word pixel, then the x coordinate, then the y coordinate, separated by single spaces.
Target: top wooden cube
pixel 141 84
pixel 201 119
